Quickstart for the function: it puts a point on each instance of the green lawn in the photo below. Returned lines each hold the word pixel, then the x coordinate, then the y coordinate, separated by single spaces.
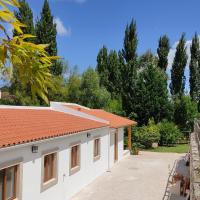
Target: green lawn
pixel 180 148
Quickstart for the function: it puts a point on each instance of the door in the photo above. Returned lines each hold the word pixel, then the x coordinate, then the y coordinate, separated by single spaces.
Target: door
pixel 116 145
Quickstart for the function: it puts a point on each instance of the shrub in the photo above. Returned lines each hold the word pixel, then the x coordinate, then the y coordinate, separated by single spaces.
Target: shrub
pixel 147 135
pixel 169 133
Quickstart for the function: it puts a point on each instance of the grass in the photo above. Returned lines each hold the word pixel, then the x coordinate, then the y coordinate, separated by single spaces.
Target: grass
pixel 180 148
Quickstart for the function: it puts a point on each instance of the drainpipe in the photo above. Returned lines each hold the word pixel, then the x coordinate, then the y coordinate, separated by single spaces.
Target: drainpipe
pixel 108 170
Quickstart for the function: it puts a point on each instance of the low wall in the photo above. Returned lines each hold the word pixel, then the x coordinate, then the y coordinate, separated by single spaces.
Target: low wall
pixel 195 163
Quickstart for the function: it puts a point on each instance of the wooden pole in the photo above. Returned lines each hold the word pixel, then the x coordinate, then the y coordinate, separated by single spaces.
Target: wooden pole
pixel 129 138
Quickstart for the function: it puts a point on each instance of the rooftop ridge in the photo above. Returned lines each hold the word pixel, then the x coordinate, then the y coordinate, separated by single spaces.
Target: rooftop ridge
pixel 70 104
pixel 25 107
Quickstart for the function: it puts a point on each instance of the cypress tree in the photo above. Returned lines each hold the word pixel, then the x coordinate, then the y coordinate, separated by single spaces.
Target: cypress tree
pixel 194 66
pixel 114 76
pixel 129 70
pixel 108 68
pixel 163 51
pixel 102 66
pixel 25 16
pixel 177 85
pixel 46 34
pixel 130 42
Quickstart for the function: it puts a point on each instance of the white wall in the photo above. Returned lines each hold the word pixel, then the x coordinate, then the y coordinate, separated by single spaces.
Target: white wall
pixel 67 185
pixel 120 145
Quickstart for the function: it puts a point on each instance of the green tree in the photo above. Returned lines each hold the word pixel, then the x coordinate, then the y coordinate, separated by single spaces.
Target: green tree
pixel 146 59
pixel 151 96
pixel 114 74
pixel 194 67
pixel 29 60
pixel 102 66
pixel 177 85
pixel 108 68
pixel 130 42
pixel 163 51
pixel 22 93
pixel 74 88
pixel 129 67
pixel 115 106
pixel 92 95
pixel 25 15
pixel 46 34
pixel 185 112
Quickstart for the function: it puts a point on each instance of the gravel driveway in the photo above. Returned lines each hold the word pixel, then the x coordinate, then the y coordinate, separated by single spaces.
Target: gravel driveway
pixel 141 177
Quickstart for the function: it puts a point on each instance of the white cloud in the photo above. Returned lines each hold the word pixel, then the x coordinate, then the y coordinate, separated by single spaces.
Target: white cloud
pixel 61 29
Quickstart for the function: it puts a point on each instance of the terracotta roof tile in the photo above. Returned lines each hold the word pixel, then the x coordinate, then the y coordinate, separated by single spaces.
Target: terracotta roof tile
pixel 26 125
pixel 115 120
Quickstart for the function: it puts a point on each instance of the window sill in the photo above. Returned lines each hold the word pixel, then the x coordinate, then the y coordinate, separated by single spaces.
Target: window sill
pixel 48 184
pixel 97 158
pixel 74 170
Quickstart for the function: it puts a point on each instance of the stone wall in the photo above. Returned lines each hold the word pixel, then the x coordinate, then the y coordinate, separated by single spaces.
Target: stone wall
pixel 195 163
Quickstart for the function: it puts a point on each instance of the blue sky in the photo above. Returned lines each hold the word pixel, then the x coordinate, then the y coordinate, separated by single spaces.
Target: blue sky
pixel 87 25
pixel 84 26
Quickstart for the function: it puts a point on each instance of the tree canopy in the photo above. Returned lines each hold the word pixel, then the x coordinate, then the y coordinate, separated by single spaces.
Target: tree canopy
pixel 163 51
pixel 177 72
pixel 30 60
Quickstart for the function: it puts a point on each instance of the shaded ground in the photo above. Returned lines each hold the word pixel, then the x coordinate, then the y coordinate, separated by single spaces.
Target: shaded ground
pixel 180 168
pixel 141 177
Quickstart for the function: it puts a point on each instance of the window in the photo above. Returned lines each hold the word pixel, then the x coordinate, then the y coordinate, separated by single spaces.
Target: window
pixel 75 159
pixel 49 167
pixel 8 183
pixel 97 148
pixel 75 156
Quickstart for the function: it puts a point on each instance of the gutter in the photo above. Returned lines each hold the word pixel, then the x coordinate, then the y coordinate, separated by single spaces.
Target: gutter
pixel 46 140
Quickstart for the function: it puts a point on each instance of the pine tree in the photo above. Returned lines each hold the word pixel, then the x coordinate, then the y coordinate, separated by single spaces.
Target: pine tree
pixel 177 85
pixel 25 16
pixel 194 66
pixel 46 34
pixel 162 51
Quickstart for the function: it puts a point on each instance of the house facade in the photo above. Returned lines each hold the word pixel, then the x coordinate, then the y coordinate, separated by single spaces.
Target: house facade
pixel 50 153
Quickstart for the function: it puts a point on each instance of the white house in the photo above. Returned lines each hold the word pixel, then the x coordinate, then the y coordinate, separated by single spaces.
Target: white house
pixel 51 153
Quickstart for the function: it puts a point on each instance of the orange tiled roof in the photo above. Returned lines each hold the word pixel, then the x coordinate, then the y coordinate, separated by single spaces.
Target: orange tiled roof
pixel 115 120
pixel 27 125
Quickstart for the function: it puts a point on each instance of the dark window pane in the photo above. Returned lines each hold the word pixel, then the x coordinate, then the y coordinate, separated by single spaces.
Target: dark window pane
pixel 49 165
pixel 10 182
pixel 74 156
pixel 1 184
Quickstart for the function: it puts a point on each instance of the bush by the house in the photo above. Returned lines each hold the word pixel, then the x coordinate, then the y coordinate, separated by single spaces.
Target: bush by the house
pixel 169 133
pixel 147 135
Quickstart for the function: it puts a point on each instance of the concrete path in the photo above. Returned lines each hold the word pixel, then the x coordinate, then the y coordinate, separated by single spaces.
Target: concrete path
pixel 142 177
